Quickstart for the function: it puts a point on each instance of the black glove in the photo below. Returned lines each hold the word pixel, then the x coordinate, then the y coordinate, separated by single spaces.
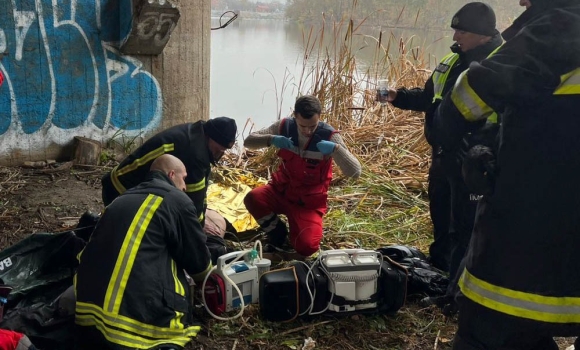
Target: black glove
pixel 478 170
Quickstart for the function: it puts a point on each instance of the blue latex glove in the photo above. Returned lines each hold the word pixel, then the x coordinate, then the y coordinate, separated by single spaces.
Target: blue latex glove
pixel 326 147
pixel 282 142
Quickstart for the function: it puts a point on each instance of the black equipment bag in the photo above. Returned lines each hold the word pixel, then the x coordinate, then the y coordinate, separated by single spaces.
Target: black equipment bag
pixel 313 291
pixel 288 293
pixel 216 246
pixel 40 267
pixel 279 295
pixel 422 276
pixel 400 252
pixel 392 287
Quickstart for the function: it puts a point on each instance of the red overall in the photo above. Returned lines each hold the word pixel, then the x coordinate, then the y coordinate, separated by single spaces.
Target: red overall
pixel 298 189
pixel 10 340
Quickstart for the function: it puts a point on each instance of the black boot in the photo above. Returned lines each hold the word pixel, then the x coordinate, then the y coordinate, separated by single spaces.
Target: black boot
pixel 277 237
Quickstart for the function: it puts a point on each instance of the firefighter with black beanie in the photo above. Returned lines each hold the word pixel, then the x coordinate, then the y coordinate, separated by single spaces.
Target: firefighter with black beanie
pixel 197 145
pixel 451 204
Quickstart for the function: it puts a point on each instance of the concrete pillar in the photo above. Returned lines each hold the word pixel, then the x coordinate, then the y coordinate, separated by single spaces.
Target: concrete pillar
pixel 184 67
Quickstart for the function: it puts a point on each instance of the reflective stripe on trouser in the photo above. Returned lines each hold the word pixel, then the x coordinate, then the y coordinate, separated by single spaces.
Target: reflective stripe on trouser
pixel 466 100
pixel 128 332
pixel 520 304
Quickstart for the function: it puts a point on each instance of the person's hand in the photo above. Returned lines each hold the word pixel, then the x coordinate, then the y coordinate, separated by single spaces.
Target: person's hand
pixel 391 96
pixel 479 170
pixel 326 147
pixel 282 142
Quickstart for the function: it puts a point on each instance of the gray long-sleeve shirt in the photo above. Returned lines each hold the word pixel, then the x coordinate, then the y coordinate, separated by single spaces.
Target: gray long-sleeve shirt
pixel 346 161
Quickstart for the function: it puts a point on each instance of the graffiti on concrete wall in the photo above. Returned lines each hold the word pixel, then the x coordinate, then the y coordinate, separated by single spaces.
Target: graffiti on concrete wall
pixel 64 75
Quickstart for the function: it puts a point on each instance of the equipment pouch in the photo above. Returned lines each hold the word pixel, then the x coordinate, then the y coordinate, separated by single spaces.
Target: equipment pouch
pixel 312 287
pixel 279 295
pixel 392 288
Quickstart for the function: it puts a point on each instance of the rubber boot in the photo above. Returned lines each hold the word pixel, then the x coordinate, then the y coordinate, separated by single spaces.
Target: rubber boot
pixel 277 237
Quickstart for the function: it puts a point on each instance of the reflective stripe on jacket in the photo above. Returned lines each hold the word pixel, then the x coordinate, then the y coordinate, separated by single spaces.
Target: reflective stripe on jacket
pixel 186 142
pixel 569 83
pixel 521 304
pixel 130 284
pixel 441 74
pixel 466 100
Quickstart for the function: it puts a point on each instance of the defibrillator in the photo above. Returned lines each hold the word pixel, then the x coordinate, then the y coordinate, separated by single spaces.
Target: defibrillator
pixel 338 281
pixel 352 278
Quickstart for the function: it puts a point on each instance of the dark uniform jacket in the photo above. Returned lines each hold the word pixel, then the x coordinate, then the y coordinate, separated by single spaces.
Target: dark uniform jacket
pixel 418 99
pixel 523 256
pixel 186 142
pixel 130 284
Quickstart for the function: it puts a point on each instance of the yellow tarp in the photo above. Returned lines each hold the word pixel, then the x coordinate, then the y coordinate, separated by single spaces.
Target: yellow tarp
pixel 229 201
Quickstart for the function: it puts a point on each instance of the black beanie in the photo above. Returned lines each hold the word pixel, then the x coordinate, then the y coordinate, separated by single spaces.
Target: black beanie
pixel 475 17
pixel 222 130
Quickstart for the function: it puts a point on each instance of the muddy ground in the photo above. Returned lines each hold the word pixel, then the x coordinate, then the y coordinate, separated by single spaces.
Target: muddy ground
pixel 52 200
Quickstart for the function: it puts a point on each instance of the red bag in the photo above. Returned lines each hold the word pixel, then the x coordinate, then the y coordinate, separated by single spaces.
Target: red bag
pixel 215 294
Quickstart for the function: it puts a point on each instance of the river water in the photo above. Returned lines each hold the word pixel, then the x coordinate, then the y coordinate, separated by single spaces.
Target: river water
pixel 256 66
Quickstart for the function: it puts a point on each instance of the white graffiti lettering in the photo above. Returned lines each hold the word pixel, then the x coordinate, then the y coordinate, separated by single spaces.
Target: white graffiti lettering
pixel 118 68
pixel 65 79
pixel 23 20
pixel 3 43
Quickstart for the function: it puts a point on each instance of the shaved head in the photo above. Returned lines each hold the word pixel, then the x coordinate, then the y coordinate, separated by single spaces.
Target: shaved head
pixel 166 162
pixel 172 167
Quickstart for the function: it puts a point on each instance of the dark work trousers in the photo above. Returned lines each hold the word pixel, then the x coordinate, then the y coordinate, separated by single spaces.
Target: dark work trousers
pixel 481 328
pixel 463 208
pixel 439 193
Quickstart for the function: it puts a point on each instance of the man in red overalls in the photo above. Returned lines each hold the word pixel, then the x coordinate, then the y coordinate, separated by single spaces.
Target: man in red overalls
pixel 298 189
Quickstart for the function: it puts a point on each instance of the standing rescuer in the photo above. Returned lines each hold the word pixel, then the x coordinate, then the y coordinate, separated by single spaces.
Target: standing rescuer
pixel 521 279
pixel 451 204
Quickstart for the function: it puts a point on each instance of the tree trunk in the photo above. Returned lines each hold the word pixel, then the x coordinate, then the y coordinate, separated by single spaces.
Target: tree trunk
pixel 86 151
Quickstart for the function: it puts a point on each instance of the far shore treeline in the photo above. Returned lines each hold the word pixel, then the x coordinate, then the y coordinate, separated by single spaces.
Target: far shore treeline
pixel 417 14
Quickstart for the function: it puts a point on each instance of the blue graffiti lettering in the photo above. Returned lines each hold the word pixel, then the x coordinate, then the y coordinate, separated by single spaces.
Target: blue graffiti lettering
pixel 63 70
